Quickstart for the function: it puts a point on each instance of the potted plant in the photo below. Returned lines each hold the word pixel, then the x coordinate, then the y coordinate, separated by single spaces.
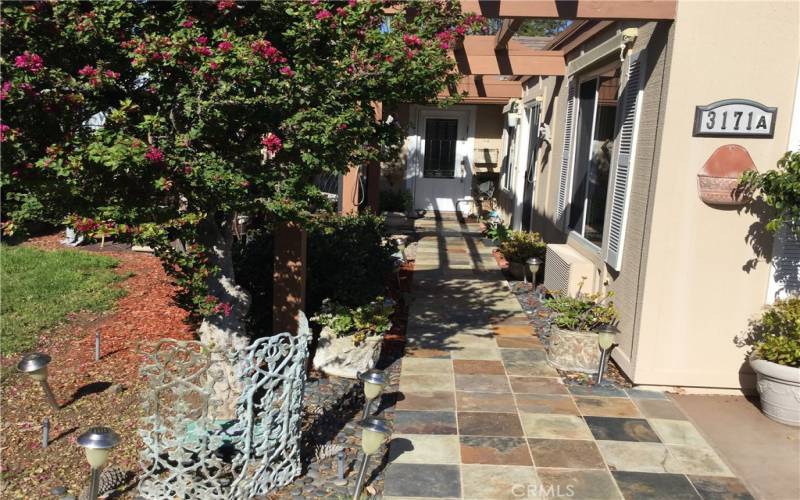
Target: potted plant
pixel 520 246
pixel 775 357
pixel 575 324
pixel 494 231
pixel 351 337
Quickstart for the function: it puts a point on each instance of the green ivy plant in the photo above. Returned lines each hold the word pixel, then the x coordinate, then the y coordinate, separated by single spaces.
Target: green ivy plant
pixel 520 246
pixel 780 189
pixel 775 336
pixel 360 322
pixel 583 312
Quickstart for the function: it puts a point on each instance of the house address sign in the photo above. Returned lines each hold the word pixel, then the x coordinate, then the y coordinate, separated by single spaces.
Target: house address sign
pixel 734 118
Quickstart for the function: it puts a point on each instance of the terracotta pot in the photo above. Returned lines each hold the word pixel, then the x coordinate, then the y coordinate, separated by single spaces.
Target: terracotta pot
pixel 779 389
pixel 718 179
pixel 338 356
pixel 719 190
pixel 573 351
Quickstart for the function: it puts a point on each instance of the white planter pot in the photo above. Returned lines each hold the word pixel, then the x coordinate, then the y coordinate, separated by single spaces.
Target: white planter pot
pixel 338 356
pixel 573 351
pixel 779 389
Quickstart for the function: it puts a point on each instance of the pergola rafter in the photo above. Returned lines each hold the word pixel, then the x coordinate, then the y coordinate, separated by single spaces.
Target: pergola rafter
pixel 478 55
pixel 651 10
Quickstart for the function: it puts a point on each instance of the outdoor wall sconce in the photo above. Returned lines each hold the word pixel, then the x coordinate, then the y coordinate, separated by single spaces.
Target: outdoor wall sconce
pixel 374 432
pixel 534 263
pixel 605 339
pixel 35 366
pixel 97 443
pixel 374 382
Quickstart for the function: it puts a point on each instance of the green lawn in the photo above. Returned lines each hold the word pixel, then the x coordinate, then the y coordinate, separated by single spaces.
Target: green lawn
pixel 39 288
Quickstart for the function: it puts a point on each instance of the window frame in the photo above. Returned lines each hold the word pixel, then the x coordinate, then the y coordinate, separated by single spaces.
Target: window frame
pixel 580 79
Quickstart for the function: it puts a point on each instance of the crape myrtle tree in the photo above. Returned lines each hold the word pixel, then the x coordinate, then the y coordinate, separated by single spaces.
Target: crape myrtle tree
pixel 164 120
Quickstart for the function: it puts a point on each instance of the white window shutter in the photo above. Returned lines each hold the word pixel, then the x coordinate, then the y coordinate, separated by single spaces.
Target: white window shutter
pixel 629 105
pixel 566 154
pixel 785 265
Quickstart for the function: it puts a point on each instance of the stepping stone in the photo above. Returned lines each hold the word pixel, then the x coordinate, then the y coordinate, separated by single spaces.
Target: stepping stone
pixel 423 480
pixel 655 486
pixel 494 450
pixel 566 454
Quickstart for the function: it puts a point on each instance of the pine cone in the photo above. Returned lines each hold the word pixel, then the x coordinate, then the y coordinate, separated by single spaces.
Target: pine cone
pixel 110 479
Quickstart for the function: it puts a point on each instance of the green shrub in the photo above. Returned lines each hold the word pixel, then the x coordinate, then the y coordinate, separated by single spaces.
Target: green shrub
pixel 584 312
pixel 347 263
pixel 360 322
pixel 780 189
pixel 495 230
pixel 392 200
pixel 775 336
pixel 347 260
pixel 521 246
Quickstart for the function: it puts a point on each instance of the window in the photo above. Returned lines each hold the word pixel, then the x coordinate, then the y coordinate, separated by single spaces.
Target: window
pixel 510 158
pixel 595 133
pixel 441 136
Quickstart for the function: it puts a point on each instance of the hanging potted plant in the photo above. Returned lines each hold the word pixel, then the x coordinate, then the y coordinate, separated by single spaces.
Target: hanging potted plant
pixel 351 337
pixel 518 247
pixel 775 357
pixel 575 325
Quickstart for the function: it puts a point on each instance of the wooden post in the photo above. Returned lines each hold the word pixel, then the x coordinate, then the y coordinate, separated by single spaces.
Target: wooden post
pixel 350 191
pixel 289 276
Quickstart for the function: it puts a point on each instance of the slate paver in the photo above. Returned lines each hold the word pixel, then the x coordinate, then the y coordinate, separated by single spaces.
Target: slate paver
pixel 481 414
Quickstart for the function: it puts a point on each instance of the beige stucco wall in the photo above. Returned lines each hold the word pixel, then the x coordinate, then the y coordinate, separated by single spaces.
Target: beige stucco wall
pixel 698 290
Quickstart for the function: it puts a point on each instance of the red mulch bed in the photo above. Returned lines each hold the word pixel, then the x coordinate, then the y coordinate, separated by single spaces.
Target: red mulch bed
pixel 91 393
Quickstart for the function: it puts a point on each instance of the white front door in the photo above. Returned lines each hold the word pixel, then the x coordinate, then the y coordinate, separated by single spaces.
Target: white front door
pixel 440 160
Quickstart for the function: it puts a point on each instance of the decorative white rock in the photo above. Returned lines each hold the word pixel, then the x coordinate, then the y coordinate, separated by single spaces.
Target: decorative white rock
pixel 338 356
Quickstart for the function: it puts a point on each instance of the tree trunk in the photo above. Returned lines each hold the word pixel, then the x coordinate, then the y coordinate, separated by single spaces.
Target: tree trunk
pixel 220 330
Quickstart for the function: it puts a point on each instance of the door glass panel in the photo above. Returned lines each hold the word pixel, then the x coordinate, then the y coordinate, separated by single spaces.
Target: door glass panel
pixel 587 93
pixel 600 160
pixel 441 136
pixel 597 116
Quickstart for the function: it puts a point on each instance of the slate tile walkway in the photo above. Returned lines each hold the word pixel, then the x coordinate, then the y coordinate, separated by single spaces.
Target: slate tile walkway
pixel 482 415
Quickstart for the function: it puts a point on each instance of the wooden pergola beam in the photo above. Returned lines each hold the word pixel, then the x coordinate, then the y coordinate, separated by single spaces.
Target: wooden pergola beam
pixel 654 10
pixel 478 56
pixel 507 30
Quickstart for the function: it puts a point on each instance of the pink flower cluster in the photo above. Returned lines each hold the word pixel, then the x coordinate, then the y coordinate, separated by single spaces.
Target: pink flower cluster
pixel 272 143
pixel 323 14
pixel 5 89
pixel 266 50
pixel 224 308
pixel 225 46
pixel 31 62
pixel 111 74
pixel 446 39
pixel 154 155
pixel 412 40
pixel 88 71
pixel 188 23
pixel 287 71
pixel 3 130
pixel 225 5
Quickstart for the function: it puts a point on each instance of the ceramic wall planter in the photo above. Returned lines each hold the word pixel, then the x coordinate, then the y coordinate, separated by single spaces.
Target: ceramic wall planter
pixel 338 356
pixel 779 390
pixel 718 180
pixel 573 351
